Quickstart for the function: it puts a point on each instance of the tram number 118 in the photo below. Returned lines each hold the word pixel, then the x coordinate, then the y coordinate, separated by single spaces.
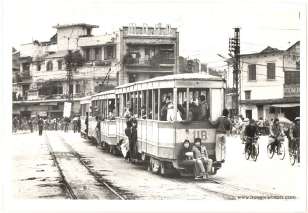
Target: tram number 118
pixel 200 134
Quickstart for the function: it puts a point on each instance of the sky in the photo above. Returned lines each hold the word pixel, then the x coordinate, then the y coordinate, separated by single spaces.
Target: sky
pixel 204 26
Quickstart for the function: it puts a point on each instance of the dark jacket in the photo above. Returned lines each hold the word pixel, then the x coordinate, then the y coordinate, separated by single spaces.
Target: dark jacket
pixel 222 124
pixel 197 152
pixel 251 130
pixel 182 156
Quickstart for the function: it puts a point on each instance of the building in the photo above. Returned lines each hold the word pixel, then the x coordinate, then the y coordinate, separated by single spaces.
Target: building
pixel 270 83
pixel 104 61
pixel 147 52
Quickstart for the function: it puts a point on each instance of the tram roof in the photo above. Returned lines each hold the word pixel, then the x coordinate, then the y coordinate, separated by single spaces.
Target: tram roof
pixel 103 93
pixel 109 94
pixel 182 76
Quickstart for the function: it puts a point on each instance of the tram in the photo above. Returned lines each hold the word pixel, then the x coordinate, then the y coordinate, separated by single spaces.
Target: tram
pixel 159 139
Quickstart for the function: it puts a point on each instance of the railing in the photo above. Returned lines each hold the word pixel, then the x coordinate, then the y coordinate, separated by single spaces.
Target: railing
pixel 154 61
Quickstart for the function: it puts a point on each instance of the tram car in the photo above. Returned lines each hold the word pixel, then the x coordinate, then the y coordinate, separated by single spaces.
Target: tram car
pixel 160 138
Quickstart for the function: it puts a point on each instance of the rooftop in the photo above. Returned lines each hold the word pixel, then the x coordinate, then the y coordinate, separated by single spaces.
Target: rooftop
pixel 75 25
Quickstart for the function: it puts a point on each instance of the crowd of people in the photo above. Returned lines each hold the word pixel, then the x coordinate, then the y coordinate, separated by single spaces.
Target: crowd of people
pixel 40 123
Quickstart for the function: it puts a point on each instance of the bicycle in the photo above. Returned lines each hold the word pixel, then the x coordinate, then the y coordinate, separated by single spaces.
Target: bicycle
pixel 294 152
pixel 252 150
pixel 276 147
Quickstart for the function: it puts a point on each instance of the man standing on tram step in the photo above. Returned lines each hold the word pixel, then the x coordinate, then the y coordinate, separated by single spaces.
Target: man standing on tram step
pixel 134 140
pixel 40 126
pixel 98 130
pixel 87 123
pixel 223 126
pixel 203 108
pixel 128 133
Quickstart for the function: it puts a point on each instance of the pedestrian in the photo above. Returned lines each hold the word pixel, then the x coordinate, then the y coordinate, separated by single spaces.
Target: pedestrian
pixel 30 124
pixel 75 124
pixel 66 123
pixel 223 127
pixel 40 126
pixel 78 124
pixel 86 122
pixel 15 124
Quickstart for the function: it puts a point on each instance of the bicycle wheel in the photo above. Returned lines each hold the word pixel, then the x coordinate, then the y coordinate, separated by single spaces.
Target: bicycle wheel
pixel 292 157
pixel 281 151
pixel 247 152
pixel 254 152
pixel 270 151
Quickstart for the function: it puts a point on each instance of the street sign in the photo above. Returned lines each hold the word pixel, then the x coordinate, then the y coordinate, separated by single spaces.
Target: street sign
pixel 67 109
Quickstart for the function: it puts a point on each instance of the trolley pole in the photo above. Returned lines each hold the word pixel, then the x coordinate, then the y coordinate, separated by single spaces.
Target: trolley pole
pixel 234 47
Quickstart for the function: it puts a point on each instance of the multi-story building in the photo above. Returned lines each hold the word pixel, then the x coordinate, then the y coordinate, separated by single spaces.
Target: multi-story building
pixel 131 54
pixel 269 83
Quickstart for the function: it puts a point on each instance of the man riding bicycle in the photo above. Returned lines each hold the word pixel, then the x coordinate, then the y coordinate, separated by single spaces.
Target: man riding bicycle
pixel 251 131
pixel 295 134
pixel 276 134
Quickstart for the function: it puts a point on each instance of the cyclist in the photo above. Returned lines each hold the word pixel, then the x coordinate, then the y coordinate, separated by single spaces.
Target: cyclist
pixel 295 134
pixel 276 134
pixel 251 131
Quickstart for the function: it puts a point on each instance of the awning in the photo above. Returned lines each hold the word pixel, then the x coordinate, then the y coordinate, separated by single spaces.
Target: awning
pixel 285 105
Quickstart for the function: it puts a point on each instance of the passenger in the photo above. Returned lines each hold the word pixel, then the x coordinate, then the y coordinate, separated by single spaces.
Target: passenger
pixel 203 108
pixel 200 152
pixel 193 109
pixel 128 133
pixel 171 115
pixel 164 109
pixel 223 127
pixel 127 114
pixel 186 159
pixel 134 137
pixel 98 129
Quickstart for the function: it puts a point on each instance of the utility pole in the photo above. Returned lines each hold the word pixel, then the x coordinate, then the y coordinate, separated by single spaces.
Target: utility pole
pixel 69 77
pixel 234 47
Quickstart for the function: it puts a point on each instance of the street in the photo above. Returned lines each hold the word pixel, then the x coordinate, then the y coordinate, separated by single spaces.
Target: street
pixel 63 165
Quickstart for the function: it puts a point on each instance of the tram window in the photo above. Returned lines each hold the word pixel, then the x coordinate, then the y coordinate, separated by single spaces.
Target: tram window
pixel 166 97
pixel 156 99
pixel 150 107
pixel 118 104
pixel 182 102
pixel 199 103
pixel 143 105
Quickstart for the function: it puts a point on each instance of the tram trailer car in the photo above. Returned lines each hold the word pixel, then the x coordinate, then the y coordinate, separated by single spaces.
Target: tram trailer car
pixel 103 105
pixel 160 141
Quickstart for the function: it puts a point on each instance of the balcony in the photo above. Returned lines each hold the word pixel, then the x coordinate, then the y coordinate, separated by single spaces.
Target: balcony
pixel 155 61
pixel 25 75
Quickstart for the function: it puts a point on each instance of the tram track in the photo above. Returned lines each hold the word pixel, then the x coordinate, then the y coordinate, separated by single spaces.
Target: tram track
pixel 69 189
pixel 65 183
pixel 241 192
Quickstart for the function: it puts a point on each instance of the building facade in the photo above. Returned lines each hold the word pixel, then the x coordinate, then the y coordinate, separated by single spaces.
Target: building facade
pixel 270 83
pixel 130 54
